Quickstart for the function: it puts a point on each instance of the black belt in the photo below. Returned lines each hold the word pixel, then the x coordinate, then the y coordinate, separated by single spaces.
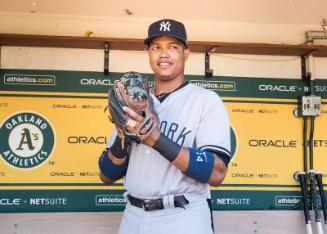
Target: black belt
pixel 156 204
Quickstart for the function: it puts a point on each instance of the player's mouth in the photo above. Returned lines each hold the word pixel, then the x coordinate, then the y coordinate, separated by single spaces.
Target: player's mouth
pixel 164 64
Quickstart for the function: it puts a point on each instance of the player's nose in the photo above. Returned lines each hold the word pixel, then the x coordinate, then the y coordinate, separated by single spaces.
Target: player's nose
pixel 164 53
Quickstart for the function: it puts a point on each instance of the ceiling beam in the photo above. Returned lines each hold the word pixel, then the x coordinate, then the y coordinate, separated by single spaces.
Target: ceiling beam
pixel 137 44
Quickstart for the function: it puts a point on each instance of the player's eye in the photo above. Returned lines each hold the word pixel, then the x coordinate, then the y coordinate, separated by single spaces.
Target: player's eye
pixel 173 47
pixel 154 47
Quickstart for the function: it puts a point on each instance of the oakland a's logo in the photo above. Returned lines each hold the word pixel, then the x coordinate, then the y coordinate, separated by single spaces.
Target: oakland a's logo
pixel 233 141
pixel 27 140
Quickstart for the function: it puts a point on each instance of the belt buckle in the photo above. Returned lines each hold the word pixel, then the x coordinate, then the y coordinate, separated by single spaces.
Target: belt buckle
pixel 147 205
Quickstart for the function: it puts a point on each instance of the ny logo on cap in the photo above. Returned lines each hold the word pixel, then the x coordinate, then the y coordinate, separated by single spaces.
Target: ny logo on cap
pixel 165 26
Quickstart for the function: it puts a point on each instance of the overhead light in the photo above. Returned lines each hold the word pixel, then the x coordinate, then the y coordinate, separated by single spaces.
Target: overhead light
pixel 317 37
pixel 317 34
pixel 313 36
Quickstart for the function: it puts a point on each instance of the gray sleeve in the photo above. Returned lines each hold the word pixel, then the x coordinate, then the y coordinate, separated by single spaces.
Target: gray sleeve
pixel 213 133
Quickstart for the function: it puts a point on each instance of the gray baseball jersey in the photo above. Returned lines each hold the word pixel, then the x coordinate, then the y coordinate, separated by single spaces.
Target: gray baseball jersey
pixel 192 117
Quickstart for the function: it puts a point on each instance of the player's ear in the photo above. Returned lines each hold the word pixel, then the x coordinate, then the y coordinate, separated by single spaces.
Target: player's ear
pixel 186 53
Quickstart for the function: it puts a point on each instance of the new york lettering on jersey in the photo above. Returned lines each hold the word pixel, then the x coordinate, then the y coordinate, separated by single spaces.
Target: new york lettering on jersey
pixel 174 131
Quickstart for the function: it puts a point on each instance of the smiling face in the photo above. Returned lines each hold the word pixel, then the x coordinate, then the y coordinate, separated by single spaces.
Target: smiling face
pixel 167 57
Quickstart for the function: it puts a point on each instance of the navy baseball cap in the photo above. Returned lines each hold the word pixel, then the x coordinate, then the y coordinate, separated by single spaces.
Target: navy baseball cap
pixel 166 27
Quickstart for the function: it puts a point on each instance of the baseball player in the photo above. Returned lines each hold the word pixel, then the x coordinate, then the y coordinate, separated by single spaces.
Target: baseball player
pixel 167 176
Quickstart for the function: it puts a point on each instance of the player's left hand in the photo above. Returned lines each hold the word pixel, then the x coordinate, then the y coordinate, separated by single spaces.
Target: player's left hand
pixel 139 119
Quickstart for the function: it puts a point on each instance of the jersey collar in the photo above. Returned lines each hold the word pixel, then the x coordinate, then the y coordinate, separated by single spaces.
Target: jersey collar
pixel 161 97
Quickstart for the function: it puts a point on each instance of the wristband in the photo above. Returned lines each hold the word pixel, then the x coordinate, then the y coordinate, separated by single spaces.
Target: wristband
pixel 109 169
pixel 200 165
pixel 167 148
pixel 117 150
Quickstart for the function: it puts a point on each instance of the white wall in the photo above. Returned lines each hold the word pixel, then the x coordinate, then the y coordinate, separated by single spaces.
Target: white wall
pixel 136 27
pixel 92 60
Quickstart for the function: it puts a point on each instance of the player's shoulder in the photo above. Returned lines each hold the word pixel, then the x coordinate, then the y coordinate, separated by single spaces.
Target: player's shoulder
pixel 209 99
pixel 202 92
